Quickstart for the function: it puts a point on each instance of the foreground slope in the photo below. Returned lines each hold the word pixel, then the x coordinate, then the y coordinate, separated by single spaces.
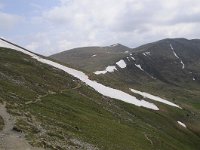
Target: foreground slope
pixel 57 111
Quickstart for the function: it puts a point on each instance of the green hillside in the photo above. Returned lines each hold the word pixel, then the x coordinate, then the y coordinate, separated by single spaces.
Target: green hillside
pixel 92 58
pixel 57 111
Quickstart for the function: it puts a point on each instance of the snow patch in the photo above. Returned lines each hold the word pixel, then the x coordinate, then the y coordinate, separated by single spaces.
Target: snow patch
pixel 193 79
pixel 183 65
pixel 146 53
pixel 182 124
pixel 126 52
pixel 155 98
pixel 171 47
pixel 108 69
pixel 100 72
pixel 94 55
pixel 114 45
pixel 139 66
pixel 100 88
pixel 132 58
pixel 121 64
pixel 128 58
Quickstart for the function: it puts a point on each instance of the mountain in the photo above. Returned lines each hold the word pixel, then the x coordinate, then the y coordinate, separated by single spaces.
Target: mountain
pixel 173 61
pixel 168 68
pixel 173 54
pixel 83 58
pixel 57 107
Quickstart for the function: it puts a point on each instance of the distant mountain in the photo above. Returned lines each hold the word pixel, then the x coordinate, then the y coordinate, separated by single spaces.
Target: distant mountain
pixel 171 60
pixel 92 58
pixel 57 107
pixel 168 60
pixel 169 68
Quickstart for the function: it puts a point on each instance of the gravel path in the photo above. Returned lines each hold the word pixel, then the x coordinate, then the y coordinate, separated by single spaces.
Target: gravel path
pixel 9 139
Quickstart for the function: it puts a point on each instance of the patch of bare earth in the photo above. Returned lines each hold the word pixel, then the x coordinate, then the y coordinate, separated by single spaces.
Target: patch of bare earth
pixel 10 139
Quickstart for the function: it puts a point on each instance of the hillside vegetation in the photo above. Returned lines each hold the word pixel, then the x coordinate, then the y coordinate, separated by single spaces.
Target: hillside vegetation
pixel 57 111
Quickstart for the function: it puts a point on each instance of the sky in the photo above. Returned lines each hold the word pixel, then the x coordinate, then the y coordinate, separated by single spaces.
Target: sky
pixel 51 26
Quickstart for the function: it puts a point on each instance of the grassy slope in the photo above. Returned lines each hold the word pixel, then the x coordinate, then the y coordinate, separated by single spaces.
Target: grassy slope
pixel 66 110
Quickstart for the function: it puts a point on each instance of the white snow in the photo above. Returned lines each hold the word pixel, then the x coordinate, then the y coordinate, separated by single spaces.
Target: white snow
pixel 146 53
pixel 174 52
pixel 121 64
pixel 94 55
pixel 8 45
pixel 111 68
pixel 139 66
pixel 114 45
pixel 126 52
pixel 183 65
pixel 108 69
pixel 132 57
pixel 175 55
pixel 171 47
pixel 100 72
pixel 193 79
pixel 155 98
pixel 104 90
pixel 130 54
pixel 128 58
pixel 182 124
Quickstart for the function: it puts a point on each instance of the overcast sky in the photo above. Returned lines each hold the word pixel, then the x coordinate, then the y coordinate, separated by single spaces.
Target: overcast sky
pixel 51 26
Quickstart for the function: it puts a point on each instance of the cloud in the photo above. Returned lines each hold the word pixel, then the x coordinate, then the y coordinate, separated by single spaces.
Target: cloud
pixel 75 23
pixel 32 46
pixel 8 20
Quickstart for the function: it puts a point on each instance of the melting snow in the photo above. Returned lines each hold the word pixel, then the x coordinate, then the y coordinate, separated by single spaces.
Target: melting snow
pixel 155 98
pixel 193 79
pixel 130 54
pixel 183 65
pixel 108 69
pixel 146 53
pixel 126 52
pixel 94 55
pixel 133 58
pixel 139 66
pixel 114 45
pixel 121 64
pixel 100 72
pixel 182 124
pixel 128 58
pixel 104 90
pixel 171 47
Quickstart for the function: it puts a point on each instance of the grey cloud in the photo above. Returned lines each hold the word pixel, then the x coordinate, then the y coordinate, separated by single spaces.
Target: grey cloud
pixel 75 23
pixel 8 20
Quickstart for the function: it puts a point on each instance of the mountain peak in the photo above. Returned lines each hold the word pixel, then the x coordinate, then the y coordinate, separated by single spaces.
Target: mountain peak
pixel 114 45
pixel 117 45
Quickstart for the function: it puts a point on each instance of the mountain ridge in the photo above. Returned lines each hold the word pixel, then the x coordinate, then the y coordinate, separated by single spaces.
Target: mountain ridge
pixel 72 115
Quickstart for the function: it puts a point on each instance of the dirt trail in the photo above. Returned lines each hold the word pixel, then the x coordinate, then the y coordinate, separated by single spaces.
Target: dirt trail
pixel 9 139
